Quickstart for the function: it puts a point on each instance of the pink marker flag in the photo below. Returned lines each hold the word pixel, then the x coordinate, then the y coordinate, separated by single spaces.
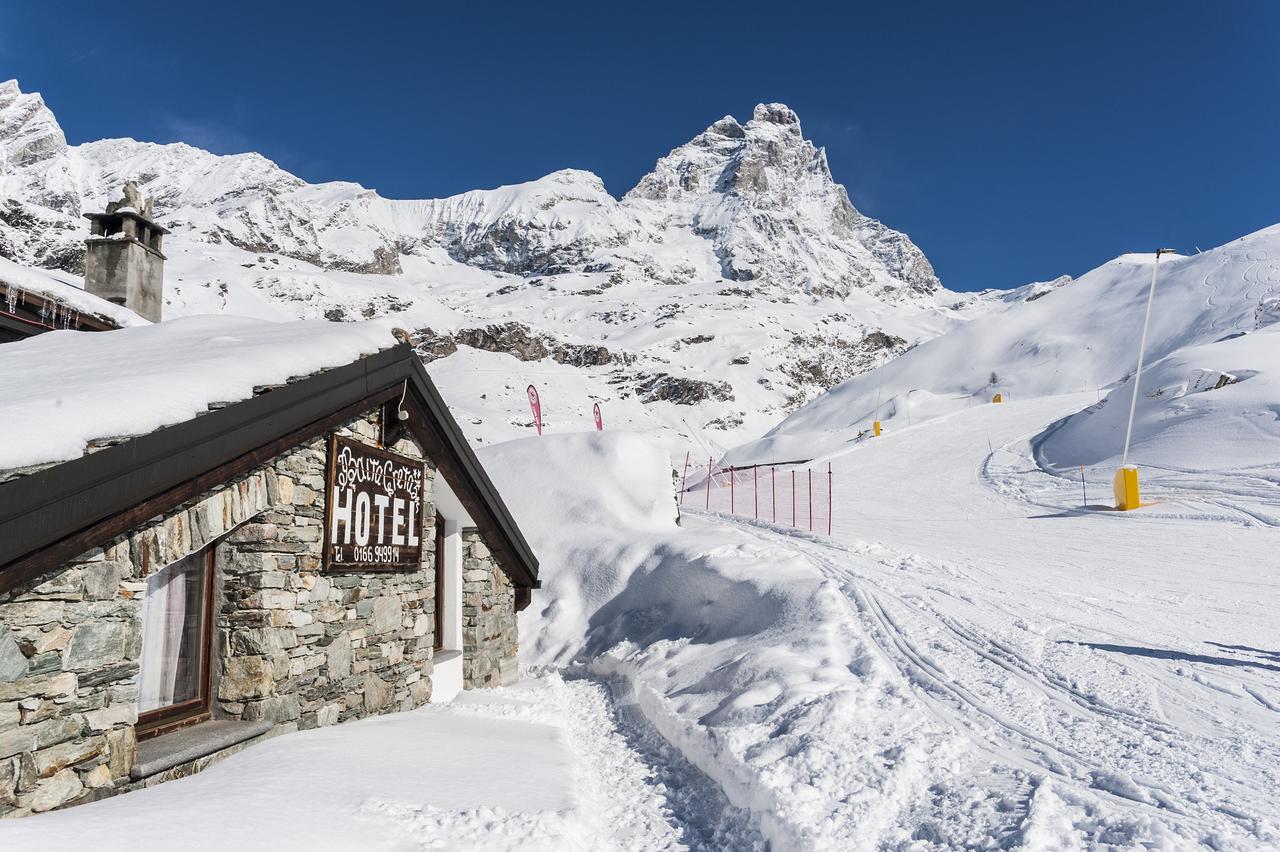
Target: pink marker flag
pixel 536 406
pixel 595 409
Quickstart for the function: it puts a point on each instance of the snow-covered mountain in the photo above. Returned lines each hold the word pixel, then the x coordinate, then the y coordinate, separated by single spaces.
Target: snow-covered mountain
pixel 765 198
pixel 735 282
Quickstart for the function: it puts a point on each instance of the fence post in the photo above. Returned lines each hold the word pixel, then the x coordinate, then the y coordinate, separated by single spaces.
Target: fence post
pixel 830 503
pixel 732 499
pixel 773 489
pixel 793 496
pixel 810 471
pixel 708 483
pixel 755 488
pixel 684 476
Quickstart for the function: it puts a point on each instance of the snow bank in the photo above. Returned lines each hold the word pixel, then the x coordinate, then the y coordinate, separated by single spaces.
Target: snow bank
pixel 1203 408
pixel 738 652
pixel 406 773
pixel 63 389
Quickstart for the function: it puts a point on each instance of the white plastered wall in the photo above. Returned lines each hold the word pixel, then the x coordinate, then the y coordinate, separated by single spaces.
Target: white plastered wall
pixel 446 681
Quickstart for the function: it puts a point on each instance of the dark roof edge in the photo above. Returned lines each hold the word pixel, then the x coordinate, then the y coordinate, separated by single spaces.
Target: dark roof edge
pixel 57 504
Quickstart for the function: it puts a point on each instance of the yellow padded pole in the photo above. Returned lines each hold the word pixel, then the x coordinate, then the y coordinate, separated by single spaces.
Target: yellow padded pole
pixel 1126 488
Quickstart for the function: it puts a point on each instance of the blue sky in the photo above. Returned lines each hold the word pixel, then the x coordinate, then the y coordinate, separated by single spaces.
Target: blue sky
pixel 1012 141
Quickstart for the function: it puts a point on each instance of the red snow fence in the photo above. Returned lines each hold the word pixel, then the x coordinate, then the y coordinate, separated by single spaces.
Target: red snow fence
pixel 787 494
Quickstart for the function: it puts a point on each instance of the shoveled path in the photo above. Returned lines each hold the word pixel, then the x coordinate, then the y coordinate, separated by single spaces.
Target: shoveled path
pixel 549 764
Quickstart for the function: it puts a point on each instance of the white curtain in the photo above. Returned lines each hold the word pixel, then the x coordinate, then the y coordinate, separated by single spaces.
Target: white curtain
pixel 171 610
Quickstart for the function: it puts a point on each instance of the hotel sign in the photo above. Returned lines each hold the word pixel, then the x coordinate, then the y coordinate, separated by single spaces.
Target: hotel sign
pixel 374 508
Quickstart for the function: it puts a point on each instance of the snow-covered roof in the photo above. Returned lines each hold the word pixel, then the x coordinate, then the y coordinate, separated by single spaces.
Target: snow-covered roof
pixel 65 289
pixel 63 390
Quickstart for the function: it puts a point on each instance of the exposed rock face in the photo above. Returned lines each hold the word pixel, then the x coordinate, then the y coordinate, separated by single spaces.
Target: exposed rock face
pixel 512 338
pixel 40 197
pixel 823 361
pixel 36 166
pixel 765 197
pixel 681 391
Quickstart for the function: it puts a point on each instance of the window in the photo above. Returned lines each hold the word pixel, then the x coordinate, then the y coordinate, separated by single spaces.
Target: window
pixel 438 640
pixel 177 622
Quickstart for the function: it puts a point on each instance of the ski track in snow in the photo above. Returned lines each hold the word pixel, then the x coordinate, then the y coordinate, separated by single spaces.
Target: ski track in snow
pixel 1021 758
pixel 1137 744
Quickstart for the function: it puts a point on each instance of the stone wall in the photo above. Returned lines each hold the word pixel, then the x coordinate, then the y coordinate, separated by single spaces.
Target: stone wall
pixel 299 646
pixel 488 618
pixel 292 644
pixel 69 653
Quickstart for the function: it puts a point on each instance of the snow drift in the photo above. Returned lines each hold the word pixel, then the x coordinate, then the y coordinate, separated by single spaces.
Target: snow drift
pixel 739 653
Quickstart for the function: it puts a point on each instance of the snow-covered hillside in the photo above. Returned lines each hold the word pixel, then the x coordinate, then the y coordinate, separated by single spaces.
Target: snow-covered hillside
pixel 732 284
pixel 1083 335
pixel 1202 408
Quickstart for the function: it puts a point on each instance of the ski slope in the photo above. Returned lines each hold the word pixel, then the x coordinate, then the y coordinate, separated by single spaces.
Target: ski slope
pixel 1080 336
pixel 1115 678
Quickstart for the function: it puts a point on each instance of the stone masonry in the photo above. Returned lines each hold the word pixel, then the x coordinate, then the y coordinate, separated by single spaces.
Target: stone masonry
pixel 488 618
pixel 292 644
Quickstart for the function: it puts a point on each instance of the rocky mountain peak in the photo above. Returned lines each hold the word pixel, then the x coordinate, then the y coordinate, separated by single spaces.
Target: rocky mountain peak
pixel 9 92
pixel 765 197
pixel 727 126
pixel 33 151
pixel 777 114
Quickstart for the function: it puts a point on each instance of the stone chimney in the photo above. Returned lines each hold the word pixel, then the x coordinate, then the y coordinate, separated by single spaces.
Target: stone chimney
pixel 122 262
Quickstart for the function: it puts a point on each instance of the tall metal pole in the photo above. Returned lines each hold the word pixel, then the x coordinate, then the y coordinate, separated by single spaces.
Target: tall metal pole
pixel 830 505
pixel 708 484
pixel 879 387
pixel 755 488
pixel 733 474
pixel 1142 348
